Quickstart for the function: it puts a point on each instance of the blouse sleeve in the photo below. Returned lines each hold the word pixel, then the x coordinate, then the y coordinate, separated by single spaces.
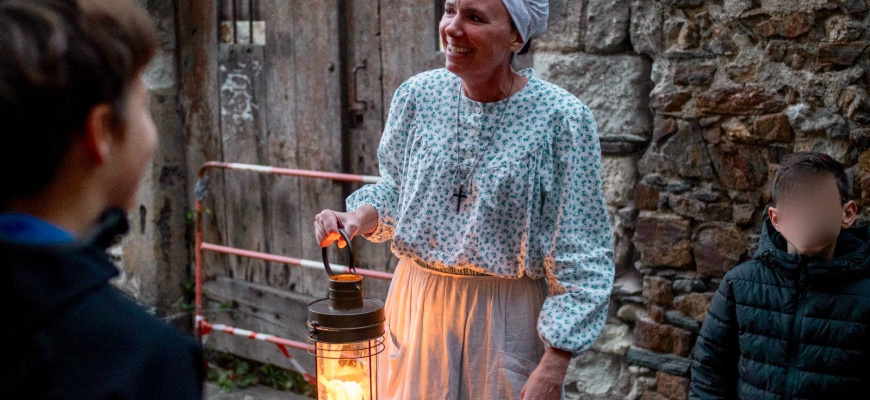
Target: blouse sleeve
pixel 575 238
pixel 384 195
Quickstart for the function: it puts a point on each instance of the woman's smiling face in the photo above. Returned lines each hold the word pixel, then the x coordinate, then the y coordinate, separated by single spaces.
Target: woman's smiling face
pixel 477 36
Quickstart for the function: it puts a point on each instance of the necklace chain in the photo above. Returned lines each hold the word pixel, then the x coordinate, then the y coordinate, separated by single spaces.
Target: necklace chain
pixel 459 193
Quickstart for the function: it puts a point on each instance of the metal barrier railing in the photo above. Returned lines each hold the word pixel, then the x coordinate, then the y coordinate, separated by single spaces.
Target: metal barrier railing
pixel 202 326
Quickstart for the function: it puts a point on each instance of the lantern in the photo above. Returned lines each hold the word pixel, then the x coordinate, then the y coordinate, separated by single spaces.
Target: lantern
pixel 348 333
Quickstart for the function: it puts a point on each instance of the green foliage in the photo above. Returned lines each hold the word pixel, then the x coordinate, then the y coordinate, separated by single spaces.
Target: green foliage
pixel 231 373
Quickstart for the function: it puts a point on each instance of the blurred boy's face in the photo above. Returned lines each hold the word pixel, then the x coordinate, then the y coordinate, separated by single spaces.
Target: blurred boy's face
pixel 133 148
pixel 809 213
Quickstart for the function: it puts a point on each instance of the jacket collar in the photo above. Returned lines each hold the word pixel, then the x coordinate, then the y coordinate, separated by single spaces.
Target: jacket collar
pixel 39 280
pixel 850 256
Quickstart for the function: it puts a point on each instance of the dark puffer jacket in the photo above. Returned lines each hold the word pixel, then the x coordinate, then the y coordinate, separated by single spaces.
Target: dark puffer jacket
pixel 787 326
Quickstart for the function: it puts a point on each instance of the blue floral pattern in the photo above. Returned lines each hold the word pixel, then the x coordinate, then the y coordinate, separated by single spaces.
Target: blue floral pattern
pixel 535 205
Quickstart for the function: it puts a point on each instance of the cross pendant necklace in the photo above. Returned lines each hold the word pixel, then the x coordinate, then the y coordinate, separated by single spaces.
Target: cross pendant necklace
pixel 459 196
pixel 459 192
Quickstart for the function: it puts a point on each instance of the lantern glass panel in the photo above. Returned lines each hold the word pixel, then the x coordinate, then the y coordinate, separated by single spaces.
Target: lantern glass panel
pixel 347 371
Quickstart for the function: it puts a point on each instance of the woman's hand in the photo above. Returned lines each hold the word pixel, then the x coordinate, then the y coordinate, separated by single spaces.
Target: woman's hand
pixel 328 222
pixel 547 379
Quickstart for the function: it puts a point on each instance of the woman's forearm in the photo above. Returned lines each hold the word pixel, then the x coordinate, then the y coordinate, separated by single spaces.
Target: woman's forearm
pixel 367 218
pixel 557 358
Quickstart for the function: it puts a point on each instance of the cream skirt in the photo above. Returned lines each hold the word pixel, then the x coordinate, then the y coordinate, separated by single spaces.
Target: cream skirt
pixel 459 337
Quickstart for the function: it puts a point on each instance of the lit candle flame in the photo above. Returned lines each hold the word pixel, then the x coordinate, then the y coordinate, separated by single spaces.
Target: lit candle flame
pixel 344 375
pixel 340 390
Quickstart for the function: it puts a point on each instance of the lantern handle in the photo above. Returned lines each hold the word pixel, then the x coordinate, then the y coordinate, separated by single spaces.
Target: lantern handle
pixel 349 252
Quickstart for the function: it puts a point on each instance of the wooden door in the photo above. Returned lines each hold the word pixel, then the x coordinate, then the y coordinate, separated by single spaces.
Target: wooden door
pixel 298 84
pixel 388 41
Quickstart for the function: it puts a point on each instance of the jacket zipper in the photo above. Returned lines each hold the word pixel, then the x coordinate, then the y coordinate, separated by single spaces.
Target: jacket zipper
pixel 797 326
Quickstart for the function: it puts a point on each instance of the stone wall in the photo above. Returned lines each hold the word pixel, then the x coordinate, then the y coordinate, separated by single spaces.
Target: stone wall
pixel 696 102
pixel 154 256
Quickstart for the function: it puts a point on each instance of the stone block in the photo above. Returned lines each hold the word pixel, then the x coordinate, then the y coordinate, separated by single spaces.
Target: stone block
pixel 663 240
pixel 669 100
pixel 791 26
pixel 614 339
pixel 615 88
pixel 564 27
pixel 739 101
pixel 631 313
pixel 656 313
pixel 806 119
pixel 843 54
pixel 646 197
pixel 645 29
pixel 773 128
pixel 717 247
pixel 690 206
pixel 618 178
pixel 684 153
pixel 739 167
pixel 602 376
pixel 694 73
pixel 658 290
pixel 669 363
pixel 662 338
pixel 651 395
pixel 694 305
pixel 607 23
pixel 689 285
pixel 683 3
pixel 742 214
pixel 683 321
pixel 674 387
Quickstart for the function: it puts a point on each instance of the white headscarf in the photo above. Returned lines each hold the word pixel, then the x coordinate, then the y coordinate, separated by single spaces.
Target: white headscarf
pixel 530 16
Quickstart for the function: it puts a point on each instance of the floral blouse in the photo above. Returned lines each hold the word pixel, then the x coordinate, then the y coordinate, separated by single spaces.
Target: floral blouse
pixel 534 203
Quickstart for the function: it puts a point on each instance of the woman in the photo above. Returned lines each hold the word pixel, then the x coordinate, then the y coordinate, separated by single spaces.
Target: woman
pixel 490 188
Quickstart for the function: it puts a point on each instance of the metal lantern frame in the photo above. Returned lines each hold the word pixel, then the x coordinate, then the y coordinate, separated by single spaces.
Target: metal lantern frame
pixel 347 332
pixel 201 324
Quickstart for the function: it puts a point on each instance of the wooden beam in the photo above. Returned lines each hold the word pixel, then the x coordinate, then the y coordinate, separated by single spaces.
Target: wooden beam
pixel 318 130
pixel 409 46
pixel 242 101
pixel 260 308
pixel 365 122
pixel 197 57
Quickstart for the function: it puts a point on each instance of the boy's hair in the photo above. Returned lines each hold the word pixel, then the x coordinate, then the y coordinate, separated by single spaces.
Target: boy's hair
pixel 59 59
pixel 796 165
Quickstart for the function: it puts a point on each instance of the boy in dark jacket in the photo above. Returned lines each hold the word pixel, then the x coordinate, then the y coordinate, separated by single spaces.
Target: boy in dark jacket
pixel 76 137
pixel 794 322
